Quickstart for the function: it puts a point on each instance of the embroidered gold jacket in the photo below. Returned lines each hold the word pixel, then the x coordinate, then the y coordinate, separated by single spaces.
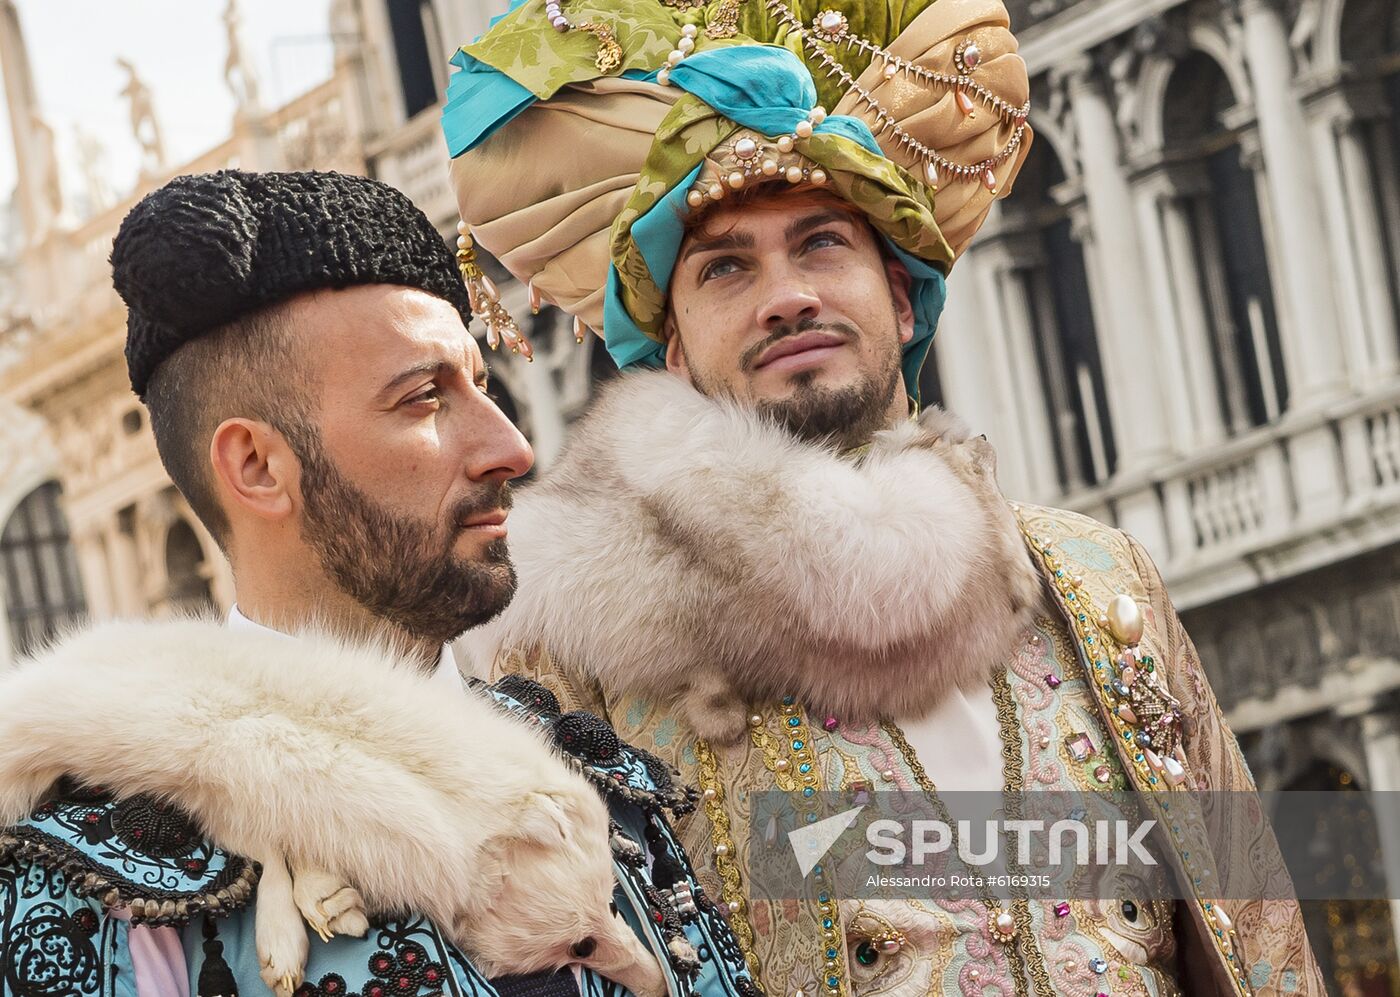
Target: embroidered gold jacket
pixel 1079 947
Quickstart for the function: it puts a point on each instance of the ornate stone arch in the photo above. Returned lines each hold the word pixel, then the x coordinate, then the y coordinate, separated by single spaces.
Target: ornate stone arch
pixel 28 456
pixel 1327 36
pixel 1213 39
pixel 1153 78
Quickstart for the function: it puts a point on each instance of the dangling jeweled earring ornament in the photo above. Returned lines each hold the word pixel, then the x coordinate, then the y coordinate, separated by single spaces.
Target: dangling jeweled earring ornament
pixel 486 300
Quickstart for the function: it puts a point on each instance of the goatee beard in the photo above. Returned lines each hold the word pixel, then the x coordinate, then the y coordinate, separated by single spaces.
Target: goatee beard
pixel 402 570
pixel 843 417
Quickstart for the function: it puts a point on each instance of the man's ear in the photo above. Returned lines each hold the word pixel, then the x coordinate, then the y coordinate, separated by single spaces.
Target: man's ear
pixel 675 352
pixel 254 469
pixel 900 284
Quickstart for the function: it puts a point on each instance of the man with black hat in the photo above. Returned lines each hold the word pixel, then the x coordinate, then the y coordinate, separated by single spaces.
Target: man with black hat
pixel 301 343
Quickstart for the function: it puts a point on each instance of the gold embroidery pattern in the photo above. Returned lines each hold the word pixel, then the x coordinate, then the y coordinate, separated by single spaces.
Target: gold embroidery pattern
pixel 793 762
pixel 1026 951
pixel 1096 648
pixel 712 794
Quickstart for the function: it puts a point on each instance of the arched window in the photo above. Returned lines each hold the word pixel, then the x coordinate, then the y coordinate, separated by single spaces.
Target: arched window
pixel 1219 205
pixel 1054 278
pixel 40 570
pixel 186 575
pixel 1352 939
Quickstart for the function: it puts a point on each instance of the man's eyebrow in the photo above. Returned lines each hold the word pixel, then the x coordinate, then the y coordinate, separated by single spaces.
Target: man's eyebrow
pixel 804 225
pixel 729 240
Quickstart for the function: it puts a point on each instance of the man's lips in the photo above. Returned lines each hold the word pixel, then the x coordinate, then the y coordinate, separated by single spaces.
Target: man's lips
pixel 493 523
pixel 793 345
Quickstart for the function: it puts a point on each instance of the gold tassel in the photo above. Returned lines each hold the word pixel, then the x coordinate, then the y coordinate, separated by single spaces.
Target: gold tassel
pixel 486 300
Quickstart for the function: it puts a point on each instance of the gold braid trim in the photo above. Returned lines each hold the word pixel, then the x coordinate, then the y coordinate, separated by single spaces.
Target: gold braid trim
pixel 792 759
pixel 1025 951
pixel 732 886
pixel 1012 775
pixel 1096 651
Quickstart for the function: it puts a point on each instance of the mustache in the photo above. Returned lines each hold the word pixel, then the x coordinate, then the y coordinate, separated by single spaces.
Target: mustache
pixel 750 356
pixel 487 499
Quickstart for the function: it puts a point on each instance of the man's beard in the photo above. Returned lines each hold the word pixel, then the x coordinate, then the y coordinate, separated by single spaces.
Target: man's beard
pixel 847 416
pixel 401 569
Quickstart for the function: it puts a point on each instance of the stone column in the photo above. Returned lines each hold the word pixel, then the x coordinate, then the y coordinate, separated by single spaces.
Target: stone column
pixel 540 399
pixel 1363 210
pixel 124 570
pixel 1011 353
pixel 92 569
pixel 975 388
pixel 1380 737
pixel 1341 230
pixel 1128 337
pixel 1303 279
pixel 1188 353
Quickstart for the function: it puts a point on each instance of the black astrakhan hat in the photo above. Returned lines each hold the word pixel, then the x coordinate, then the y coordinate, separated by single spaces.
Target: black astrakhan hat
pixel 205 249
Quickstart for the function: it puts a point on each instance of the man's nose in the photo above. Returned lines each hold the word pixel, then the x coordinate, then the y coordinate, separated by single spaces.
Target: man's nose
pixel 496 450
pixel 789 298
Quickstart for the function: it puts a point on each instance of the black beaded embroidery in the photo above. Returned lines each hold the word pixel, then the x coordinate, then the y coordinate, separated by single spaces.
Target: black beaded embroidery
pixel 403 971
pixel 331 985
pixel 158 829
pixel 143 855
pixel 747 987
pixel 530 694
pixel 587 736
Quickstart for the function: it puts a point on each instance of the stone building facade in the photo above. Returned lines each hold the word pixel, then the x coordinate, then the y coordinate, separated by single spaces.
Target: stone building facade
pixel 1185 321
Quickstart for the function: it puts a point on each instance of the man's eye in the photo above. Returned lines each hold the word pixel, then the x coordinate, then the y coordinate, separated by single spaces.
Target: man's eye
pixel 823 240
pixel 427 395
pixel 718 268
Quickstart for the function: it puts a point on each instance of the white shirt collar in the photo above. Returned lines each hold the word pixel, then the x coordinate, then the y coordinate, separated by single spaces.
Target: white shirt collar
pixel 446 672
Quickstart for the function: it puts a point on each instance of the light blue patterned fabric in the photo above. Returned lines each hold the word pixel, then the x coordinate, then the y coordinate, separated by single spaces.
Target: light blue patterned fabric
pixel 57 939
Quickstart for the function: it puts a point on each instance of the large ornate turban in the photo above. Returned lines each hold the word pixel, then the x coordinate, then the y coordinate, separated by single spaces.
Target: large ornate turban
pixel 583 133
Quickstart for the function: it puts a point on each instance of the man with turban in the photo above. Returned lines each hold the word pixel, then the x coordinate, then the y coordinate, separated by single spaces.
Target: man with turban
pixel 179 800
pixel 758 560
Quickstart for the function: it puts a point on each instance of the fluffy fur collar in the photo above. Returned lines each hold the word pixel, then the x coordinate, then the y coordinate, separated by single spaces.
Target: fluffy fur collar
pixel 683 546
pixel 344 762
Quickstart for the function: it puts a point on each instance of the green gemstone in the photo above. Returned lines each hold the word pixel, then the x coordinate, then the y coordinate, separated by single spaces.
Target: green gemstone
pixel 867 954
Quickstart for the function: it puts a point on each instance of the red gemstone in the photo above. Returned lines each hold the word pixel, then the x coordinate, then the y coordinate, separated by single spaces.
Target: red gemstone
pixel 1062 909
pixel 1052 680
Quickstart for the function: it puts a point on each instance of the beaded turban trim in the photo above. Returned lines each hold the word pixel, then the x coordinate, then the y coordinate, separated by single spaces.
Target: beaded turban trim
pixel 572 122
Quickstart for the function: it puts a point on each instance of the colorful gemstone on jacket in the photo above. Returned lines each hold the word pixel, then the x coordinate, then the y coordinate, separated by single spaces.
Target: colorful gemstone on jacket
pixel 1052 680
pixel 1062 909
pixel 1079 746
